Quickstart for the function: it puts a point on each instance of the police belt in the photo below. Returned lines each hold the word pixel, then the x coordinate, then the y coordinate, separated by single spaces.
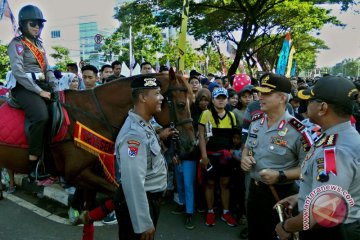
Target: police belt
pixel 39 76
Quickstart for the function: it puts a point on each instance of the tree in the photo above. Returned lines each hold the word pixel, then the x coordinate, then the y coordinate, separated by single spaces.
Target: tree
pixel 61 57
pixel 264 21
pixel 4 61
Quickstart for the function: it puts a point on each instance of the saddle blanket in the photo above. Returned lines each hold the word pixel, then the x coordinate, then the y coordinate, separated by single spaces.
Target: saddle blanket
pixel 12 127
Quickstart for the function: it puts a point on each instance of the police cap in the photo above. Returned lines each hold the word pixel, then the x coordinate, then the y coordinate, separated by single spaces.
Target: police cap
pixel 271 82
pixel 145 82
pixel 331 89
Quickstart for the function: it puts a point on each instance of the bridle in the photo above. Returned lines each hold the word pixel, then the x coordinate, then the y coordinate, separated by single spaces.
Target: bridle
pixel 172 108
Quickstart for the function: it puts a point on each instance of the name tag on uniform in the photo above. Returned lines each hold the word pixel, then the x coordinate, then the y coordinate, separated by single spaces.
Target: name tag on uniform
pixel 253 135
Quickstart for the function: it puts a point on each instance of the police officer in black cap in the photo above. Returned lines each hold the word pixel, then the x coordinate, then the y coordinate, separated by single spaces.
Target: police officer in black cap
pixel 333 160
pixel 31 71
pixel 141 168
pixel 272 155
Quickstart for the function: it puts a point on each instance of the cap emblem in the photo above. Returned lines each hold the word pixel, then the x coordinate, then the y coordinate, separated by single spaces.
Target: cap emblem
pixel 150 82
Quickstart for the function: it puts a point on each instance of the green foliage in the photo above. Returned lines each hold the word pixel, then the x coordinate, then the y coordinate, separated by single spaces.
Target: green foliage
pixel 61 57
pixel 348 67
pixel 258 22
pixel 4 61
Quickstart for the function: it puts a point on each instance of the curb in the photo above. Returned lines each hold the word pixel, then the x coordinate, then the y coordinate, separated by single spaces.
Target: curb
pixel 54 192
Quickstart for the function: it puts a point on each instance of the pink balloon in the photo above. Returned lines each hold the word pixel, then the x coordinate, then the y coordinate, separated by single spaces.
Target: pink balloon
pixel 240 81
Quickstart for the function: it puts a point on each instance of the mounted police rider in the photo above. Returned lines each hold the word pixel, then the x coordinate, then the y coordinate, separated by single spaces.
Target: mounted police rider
pixel 30 71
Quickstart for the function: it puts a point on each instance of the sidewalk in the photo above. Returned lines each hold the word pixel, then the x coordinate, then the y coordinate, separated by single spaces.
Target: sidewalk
pixel 54 191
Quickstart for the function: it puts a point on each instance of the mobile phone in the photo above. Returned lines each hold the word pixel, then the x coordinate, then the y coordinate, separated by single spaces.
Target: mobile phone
pixel 209 167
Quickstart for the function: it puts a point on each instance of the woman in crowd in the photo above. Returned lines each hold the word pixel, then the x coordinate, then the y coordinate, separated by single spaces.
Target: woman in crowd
pixel 245 98
pixel 217 125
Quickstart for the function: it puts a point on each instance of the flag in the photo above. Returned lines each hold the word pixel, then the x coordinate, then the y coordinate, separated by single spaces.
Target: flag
pixel 157 66
pixel 230 49
pixel 5 10
pixel 182 35
pixel 130 53
pixel 284 55
pixel 293 69
pixel 290 61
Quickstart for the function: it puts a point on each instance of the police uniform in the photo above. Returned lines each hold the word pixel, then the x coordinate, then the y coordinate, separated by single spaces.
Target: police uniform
pixel 27 72
pixel 333 160
pixel 280 147
pixel 141 169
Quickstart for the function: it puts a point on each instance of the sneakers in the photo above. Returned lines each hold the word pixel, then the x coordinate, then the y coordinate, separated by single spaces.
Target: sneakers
pixel 180 209
pixel 110 218
pixel 230 221
pixel 188 222
pixel 210 219
pixel 73 215
pixel 84 218
pixel 11 190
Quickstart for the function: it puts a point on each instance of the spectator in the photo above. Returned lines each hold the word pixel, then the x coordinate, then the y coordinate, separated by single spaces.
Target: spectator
pixel 90 75
pixel 146 68
pixel 105 72
pixel 73 68
pixel 217 124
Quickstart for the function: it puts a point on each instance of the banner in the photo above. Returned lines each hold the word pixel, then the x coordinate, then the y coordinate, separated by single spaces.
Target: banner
pixel 182 35
pixel 6 11
pixel 284 55
pixel 99 146
pixel 290 62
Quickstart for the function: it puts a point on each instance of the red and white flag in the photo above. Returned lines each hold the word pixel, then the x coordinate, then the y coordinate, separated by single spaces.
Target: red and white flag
pixel 5 11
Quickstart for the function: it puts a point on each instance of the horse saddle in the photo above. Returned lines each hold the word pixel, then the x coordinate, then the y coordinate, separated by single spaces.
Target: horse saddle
pixel 14 126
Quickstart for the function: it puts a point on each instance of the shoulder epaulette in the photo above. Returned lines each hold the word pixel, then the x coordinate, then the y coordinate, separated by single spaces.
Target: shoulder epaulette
pixel 296 124
pixel 330 141
pixel 257 116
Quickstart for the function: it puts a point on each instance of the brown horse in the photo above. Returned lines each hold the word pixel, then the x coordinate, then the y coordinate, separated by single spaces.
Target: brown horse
pixel 104 110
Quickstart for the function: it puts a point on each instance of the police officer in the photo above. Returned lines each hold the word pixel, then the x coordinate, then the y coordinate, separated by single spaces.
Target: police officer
pixel 30 68
pixel 272 155
pixel 141 166
pixel 333 160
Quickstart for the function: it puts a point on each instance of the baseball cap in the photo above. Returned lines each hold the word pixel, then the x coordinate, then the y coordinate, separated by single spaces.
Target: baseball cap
pixel 213 85
pixel 248 88
pixel 145 82
pixel 271 82
pixel 331 89
pixel 219 91
pixel 194 73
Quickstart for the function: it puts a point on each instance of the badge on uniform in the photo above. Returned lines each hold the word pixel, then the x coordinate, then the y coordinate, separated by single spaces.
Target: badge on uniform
pixel 19 49
pixel 279 141
pixel 133 148
pixel 322 175
pixel 282 133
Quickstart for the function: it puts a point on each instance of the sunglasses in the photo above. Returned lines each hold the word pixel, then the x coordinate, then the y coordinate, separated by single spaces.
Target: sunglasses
pixel 36 23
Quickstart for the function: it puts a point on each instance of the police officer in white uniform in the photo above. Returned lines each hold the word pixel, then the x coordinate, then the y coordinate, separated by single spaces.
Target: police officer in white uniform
pixel 140 164
pixel 333 160
pixel 30 68
pixel 272 155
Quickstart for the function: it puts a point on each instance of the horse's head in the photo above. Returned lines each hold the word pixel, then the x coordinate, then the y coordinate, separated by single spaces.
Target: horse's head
pixel 176 108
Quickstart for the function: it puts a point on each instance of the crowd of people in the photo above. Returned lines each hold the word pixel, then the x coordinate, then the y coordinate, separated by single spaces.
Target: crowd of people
pixel 273 139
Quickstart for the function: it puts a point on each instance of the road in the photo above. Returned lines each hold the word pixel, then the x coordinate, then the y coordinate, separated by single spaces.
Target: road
pixel 19 223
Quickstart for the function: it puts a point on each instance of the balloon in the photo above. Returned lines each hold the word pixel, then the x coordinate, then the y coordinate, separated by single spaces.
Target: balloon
pixel 240 81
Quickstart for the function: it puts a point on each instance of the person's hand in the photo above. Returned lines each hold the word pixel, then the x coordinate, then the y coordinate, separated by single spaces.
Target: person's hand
pixel 168 132
pixel 45 95
pixel 176 160
pixel 204 161
pixel 247 163
pixel 148 234
pixel 289 202
pixel 282 235
pixel 269 176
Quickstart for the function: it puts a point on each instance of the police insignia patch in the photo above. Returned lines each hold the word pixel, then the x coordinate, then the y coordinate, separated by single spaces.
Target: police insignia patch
pixel 150 82
pixel 133 148
pixel 19 49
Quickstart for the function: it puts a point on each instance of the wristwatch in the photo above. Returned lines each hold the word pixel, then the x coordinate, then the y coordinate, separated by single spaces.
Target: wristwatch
pixel 282 177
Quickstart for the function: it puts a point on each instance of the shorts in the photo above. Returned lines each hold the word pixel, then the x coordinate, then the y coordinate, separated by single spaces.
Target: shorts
pixel 218 170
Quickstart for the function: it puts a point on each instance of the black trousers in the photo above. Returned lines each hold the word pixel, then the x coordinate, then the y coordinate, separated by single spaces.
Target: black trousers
pixel 349 231
pixel 37 113
pixel 262 218
pixel 126 231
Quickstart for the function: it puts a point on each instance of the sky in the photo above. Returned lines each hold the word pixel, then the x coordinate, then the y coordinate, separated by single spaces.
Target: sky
pixel 342 42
